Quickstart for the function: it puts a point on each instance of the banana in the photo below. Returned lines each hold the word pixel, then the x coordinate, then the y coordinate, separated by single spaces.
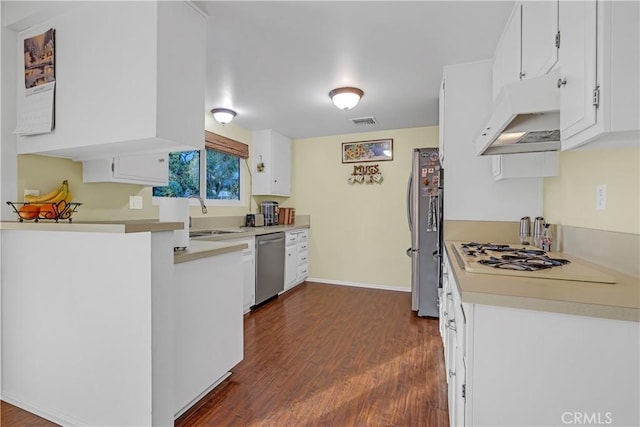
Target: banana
pixel 49 197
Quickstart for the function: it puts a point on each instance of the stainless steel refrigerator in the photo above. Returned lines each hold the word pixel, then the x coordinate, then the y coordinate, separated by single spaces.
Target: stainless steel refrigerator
pixel 424 214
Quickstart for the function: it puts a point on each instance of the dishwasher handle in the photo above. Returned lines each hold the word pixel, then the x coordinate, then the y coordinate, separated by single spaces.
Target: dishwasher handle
pixel 270 241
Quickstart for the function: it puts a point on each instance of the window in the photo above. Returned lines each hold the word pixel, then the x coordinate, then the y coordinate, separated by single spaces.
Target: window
pixel 215 173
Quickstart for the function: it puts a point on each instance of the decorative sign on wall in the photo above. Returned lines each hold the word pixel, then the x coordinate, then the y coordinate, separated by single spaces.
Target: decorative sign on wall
pixel 367 151
pixel 365 173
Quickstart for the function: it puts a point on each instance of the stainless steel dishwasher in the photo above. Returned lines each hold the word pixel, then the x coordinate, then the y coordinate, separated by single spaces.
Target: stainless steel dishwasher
pixel 269 266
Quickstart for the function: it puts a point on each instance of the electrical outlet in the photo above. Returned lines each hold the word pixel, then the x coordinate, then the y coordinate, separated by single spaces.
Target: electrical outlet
pixel 135 202
pixel 601 197
pixel 31 192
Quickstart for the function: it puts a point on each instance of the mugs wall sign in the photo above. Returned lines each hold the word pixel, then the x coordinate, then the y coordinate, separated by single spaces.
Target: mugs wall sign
pixel 365 173
pixel 367 151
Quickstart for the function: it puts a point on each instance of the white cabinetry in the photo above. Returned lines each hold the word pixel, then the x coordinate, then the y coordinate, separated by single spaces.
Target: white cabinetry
pixel 273 151
pixel 506 64
pixel 526 165
pixel 509 366
pixel 539 29
pixel 296 258
pixel 208 325
pixel 527 47
pixel 129 79
pixel 469 181
pixel 453 326
pixel 143 169
pixel 248 272
pixel 599 64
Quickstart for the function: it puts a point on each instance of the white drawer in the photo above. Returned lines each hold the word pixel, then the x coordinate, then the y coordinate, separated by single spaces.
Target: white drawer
pixel 303 246
pixel 303 257
pixel 303 235
pixel 303 272
pixel 291 238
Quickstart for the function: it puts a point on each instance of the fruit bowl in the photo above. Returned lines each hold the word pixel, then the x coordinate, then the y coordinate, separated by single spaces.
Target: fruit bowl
pixel 48 211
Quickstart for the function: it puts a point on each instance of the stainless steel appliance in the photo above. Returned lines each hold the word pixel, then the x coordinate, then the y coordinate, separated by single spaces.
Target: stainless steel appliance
pixel 269 266
pixel 424 214
pixel 270 212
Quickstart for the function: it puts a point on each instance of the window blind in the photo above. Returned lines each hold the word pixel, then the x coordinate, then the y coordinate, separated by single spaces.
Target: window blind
pixel 225 145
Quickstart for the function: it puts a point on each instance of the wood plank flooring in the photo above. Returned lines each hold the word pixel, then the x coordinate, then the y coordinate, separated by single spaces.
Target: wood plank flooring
pixel 325 355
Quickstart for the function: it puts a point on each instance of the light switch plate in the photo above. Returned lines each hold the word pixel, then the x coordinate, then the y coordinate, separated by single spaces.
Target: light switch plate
pixel 135 202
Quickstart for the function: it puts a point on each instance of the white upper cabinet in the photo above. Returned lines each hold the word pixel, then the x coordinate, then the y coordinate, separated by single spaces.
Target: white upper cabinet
pixel 539 35
pixel 129 79
pixel 527 47
pixel 271 158
pixel 599 65
pixel 142 169
pixel 506 64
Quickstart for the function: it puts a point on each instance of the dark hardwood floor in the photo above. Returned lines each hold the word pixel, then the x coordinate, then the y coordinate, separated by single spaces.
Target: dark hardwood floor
pixel 325 355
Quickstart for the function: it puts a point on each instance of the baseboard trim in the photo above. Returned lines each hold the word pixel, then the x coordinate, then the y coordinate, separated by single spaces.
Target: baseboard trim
pixel 46 414
pixel 200 396
pixel 359 285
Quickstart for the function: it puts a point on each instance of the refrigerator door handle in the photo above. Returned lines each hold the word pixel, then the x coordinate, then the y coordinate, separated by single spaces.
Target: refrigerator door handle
pixel 409 204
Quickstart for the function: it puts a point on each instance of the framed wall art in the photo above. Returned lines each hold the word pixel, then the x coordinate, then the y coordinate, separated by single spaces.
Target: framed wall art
pixel 379 150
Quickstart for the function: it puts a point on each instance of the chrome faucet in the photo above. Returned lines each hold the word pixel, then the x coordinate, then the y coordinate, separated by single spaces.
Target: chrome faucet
pixel 202 205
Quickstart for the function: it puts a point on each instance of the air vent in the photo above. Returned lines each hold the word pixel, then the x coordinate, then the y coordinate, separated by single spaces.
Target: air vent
pixel 364 121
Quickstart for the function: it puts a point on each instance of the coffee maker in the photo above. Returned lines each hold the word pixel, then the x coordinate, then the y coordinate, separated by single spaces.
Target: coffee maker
pixel 270 211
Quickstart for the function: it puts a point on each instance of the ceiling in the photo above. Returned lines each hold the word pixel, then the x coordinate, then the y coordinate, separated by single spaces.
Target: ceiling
pixel 274 63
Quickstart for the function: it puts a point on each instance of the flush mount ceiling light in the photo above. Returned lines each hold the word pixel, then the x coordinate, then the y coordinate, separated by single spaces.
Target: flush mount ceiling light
pixel 346 98
pixel 223 115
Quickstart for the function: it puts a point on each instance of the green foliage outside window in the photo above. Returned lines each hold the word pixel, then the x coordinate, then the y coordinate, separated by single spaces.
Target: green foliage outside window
pixel 222 178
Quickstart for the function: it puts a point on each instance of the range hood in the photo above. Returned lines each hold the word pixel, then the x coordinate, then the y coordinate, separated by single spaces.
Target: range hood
pixel 525 118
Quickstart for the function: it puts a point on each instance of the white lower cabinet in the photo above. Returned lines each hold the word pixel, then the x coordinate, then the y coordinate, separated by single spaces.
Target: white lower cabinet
pixel 208 325
pixel 141 169
pixel 248 272
pixel 296 258
pixel 509 366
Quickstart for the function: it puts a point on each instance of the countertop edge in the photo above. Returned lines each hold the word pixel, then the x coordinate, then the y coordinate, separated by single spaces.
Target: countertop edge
pixel 206 250
pixel 135 226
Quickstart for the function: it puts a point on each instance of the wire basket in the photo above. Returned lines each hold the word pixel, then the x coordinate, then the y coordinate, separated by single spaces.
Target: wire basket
pixel 44 211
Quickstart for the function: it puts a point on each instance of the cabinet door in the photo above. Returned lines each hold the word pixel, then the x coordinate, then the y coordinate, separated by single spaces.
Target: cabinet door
pixel 152 168
pixel 281 157
pixel 459 392
pixel 291 266
pixel 539 29
pixel 506 66
pixel 441 120
pixel 578 66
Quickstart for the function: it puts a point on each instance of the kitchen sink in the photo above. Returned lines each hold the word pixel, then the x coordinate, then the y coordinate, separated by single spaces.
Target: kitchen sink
pixel 206 233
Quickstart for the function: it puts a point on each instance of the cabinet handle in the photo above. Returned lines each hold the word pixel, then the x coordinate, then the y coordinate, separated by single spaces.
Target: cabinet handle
pixel 452 325
pixel 451 373
pixel 561 82
pixel 522 75
pixel 161 160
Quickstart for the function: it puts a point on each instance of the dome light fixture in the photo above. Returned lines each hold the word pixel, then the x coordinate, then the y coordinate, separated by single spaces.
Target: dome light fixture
pixel 223 115
pixel 346 98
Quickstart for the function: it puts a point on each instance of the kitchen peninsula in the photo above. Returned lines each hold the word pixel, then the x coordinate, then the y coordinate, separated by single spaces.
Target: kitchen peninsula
pixel 88 318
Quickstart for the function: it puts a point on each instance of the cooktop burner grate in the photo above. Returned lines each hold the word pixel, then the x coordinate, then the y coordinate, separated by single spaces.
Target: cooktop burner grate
pixel 519 259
